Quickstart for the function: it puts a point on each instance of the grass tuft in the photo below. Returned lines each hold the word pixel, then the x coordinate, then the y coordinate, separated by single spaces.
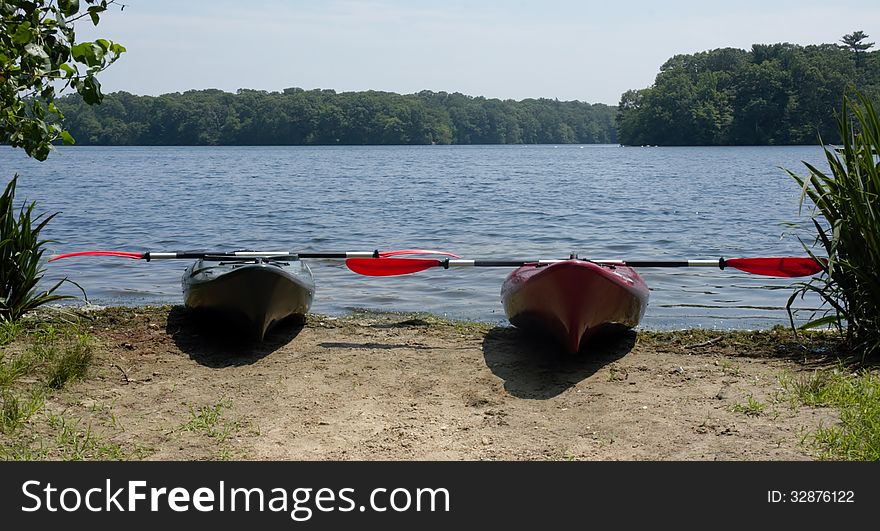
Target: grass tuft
pixel 15 412
pixel 856 396
pixel 9 330
pixel 752 407
pixel 210 421
pixel 71 363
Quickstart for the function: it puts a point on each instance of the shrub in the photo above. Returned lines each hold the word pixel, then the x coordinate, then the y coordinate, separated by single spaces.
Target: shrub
pixel 21 258
pixel 847 221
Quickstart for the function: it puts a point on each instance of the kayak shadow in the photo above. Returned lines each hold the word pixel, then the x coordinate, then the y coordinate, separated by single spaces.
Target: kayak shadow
pixel 216 343
pixel 535 368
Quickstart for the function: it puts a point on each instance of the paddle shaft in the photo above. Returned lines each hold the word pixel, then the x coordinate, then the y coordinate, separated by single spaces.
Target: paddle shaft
pixel 250 255
pixel 779 266
pixel 247 255
pixel 446 264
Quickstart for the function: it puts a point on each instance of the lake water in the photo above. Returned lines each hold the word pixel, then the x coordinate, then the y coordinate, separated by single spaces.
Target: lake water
pixel 491 202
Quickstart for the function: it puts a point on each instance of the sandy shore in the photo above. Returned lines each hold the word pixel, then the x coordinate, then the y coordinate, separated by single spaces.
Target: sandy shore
pixel 384 386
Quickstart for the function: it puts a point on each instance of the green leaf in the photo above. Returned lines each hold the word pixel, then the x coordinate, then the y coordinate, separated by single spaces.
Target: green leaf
pixel 22 33
pixel 67 138
pixel 94 14
pixel 816 323
pixel 41 151
pixel 68 7
pixel 88 53
pixel 79 51
pixel 68 70
pixel 90 90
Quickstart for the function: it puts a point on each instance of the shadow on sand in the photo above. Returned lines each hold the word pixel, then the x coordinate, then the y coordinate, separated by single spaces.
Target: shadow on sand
pixel 215 342
pixel 533 367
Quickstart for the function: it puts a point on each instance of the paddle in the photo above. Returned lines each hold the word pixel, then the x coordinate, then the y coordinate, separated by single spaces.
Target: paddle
pixel 776 266
pixel 249 255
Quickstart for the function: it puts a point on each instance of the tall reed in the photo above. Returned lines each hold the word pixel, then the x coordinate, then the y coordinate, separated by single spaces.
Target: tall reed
pixel 846 216
pixel 21 258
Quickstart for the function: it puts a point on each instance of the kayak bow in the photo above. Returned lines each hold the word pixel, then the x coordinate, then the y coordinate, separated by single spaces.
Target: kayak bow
pixel 257 294
pixel 572 300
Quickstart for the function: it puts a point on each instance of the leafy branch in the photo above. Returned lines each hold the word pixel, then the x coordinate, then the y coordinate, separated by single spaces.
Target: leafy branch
pixel 40 58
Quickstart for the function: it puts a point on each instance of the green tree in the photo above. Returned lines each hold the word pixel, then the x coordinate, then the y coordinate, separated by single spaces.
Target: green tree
pixel 854 43
pixel 39 57
pixel 295 116
pixel 772 94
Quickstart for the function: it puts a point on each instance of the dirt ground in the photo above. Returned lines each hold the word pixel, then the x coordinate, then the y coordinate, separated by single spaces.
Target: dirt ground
pixel 402 387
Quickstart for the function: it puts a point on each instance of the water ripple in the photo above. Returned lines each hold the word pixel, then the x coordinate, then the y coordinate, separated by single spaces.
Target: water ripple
pixel 480 201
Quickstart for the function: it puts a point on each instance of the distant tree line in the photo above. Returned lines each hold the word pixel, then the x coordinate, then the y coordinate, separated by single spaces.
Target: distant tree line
pixel 772 94
pixel 325 117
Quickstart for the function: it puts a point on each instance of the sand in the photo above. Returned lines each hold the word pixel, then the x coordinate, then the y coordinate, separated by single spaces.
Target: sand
pixel 164 386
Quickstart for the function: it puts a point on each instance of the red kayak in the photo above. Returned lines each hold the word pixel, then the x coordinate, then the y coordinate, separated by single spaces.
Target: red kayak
pixel 572 300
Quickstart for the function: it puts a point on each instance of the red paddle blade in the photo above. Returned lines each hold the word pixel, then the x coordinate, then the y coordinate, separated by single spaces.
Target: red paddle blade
pixel 386 267
pixel 135 256
pixel 386 254
pixel 777 266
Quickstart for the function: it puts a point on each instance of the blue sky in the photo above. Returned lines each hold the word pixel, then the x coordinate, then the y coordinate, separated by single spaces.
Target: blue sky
pixel 588 51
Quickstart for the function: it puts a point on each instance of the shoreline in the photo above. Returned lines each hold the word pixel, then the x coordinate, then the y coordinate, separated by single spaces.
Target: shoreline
pixel 500 320
pixel 386 386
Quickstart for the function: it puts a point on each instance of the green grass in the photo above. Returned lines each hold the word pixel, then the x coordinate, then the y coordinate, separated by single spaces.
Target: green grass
pixel 71 363
pixel 53 356
pixel 76 443
pixel 45 358
pixel 730 367
pixel 9 330
pixel 752 407
pixel 49 359
pixel 66 440
pixel 16 411
pixel 779 341
pixel 856 396
pixel 14 367
pixel 210 421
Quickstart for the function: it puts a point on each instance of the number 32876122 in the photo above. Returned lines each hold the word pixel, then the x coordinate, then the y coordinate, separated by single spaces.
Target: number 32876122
pixel 821 496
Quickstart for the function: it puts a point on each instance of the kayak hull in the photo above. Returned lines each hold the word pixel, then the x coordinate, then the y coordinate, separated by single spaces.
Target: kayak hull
pixel 572 300
pixel 256 295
